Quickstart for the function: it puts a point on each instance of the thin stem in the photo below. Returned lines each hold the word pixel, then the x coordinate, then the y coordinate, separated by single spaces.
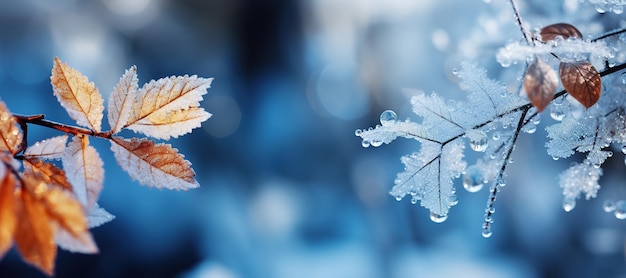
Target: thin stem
pixel 39 120
pixel 518 17
pixel 609 34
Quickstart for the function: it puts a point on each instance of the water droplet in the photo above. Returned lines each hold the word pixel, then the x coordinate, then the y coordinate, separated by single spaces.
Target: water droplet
pixel 608 205
pixel 620 209
pixel 376 143
pixel 495 136
pixel 501 182
pixel 473 180
pixel 388 117
pixel 486 230
pixel 557 112
pixel 414 200
pixel 454 200
pixel 624 149
pixel 478 142
pixel 398 198
pixel 438 218
pixel 569 204
pixel 365 143
pixel 358 132
pixel 555 158
pixel 455 71
pixel 530 129
pixel 618 9
pixel 600 9
pixel 623 77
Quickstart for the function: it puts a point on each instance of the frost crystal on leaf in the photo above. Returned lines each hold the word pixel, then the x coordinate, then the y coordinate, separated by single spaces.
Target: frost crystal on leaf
pixel 574 49
pixel 580 178
pixel 428 175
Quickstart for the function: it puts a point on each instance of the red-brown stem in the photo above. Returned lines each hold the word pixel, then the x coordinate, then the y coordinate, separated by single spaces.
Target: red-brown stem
pixel 75 130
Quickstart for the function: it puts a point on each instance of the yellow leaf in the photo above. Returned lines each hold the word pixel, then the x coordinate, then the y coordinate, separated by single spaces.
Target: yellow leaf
pixel 157 165
pixel 166 97
pixel 77 95
pixel 84 169
pixel 10 133
pixel 162 125
pixel 35 236
pixel 8 213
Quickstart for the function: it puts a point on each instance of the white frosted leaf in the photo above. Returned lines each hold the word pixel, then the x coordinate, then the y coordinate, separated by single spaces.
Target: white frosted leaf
pixel 122 99
pixel 77 95
pixel 520 52
pixel 98 216
pixel 428 176
pixel 84 244
pixel 173 101
pixel 84 169
pixel 152 164
pixel 51 148
pixel 580 179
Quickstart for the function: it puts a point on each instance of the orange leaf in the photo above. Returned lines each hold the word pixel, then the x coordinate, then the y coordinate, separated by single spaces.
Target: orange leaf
pixel 8 213
pixel 157 165
pixel 35 236
pixel 77 95
pixel 540 82
pixel 66 211
pixel 10 133
pixel 582 81
pixel 564 30
pixel 50 174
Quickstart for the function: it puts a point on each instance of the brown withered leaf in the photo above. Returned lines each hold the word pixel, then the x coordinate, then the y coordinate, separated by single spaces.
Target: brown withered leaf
pixel 10 133
pixel 8 212
pixel 157 165
pixel 77 95
pixel 540 83
pixel 34 236
pixel 48 172
pixel 564 30
pixel 582 81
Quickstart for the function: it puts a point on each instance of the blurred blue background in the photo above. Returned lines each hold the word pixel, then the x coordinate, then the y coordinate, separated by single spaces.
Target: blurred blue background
pixel 286 188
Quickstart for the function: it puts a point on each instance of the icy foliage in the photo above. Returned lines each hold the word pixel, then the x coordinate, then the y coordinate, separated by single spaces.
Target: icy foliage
pixel 428 175
pixel 614 6
pixel 580 178
pixel 590 115
pixel 573 49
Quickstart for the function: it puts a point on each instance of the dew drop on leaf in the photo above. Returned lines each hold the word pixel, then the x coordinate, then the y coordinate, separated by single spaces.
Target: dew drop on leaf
pixel 438 218
pixel 608 205
pixel 376 143
pixel 388 117
pixel 486 230
pixel 622 77
pixel 358 132
pixel 620 209
pixel 478 142
pixel 569 204
pixel 365 143
pixel 473 180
